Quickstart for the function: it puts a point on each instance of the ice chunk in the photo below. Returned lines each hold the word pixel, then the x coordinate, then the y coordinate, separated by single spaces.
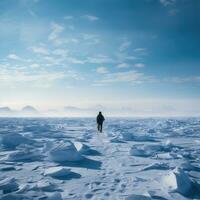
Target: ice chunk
pixel 8 185
pixel 157 166
pixel 85 149
pixel 46 186
pixel 11 140
pixel 57 172
pixel 159 150
pixel 64 152
pixel 144 150
pixel 23 155
pixel 177 180
pixel 164 156
pixel 139 151
pixel 140 138
pixel 61 173
pixel 15 197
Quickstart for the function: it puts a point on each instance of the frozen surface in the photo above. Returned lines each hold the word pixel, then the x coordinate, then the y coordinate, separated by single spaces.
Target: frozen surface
pixel 133 159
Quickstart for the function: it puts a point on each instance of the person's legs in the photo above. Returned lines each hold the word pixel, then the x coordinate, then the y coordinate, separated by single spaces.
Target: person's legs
pixel 98 127
pixel 101 126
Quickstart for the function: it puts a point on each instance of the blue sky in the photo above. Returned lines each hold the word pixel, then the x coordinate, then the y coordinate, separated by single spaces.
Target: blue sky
pixel 108 52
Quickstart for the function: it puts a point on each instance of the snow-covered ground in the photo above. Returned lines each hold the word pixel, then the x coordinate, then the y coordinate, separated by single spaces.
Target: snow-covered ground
pixel 134 159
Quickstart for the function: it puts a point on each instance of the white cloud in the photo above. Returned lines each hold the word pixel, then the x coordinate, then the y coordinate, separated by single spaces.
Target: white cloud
pixel 90 17
pixel 139 65
pixel 102 70
pixel 124 45
pixel 123 65
pixel 56 30
pixel 13 57
pixel 40 50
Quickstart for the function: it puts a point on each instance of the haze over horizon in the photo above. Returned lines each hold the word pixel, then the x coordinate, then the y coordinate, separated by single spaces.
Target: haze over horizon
pixel 136 56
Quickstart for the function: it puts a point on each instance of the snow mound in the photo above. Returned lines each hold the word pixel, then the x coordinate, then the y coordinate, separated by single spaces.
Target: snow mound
pixel 12 140
pixel 8 185
pixel 64 151
pixel 177 180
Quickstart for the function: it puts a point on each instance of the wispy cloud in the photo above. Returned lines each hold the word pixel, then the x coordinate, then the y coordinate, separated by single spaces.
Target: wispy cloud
pixel 191 79
pixel 139 65
pixel 34 65
pixel 40 50
pixel 129 76
pixel 74 60
pixel 56 30
pixel 68 17
pixel 60 52
pixel 167 2
pixel 125 45
pixel 90 17
pixel 100 59
pixel 102 70
pixel 171 6
pixel 14 76
pixel 123 65
pixel 13 57
pixel 140 49
pixel 91 38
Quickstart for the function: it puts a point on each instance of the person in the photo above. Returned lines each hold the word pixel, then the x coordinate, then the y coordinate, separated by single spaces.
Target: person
pixel 100 120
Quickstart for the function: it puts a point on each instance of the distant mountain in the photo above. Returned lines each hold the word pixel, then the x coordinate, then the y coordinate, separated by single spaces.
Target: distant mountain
pixel 5 110
pixel 29 109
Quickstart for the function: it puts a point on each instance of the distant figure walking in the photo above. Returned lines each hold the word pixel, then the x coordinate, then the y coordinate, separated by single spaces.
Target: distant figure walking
pixel 100 120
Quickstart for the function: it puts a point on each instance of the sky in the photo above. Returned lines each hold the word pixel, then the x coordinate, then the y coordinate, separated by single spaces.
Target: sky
pixel 138 54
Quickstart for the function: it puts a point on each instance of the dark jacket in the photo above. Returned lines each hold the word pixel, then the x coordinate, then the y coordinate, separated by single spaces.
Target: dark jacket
pixel 100 119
